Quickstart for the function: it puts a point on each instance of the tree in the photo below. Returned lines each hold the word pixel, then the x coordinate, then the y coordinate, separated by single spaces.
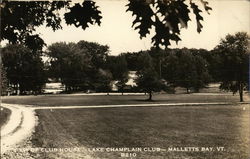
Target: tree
pixel 4 80
pixel 103 81
pixel 182 68
pixel 24 68
pixel 19 20
pixel 169 68
pixel 132 60
pixel 98 53
pixel 70 64
pixel 186 70
pixel 148 80
pixel 234 62
pixel 203 76
pixel 211 61
pixel 77 64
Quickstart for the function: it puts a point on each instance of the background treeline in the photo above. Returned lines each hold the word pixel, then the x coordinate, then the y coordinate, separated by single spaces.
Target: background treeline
pixel 86 66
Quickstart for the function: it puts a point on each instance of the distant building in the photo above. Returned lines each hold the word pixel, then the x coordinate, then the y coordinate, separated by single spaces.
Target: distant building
pixel 131 81
pixel 53 86
pixel 131 78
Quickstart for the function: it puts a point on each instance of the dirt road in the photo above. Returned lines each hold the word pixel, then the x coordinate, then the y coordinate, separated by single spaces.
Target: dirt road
pixel 20 126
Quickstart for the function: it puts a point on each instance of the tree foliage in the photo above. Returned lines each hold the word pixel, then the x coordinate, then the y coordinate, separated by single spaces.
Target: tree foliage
pixel 234 62
pixel 19 20
pixel 24 68
pixel 69 63
pixel 148 80
pixel 4 80
pixel 102 82
pixel 182 68
pixel 166 17
pixel 78 65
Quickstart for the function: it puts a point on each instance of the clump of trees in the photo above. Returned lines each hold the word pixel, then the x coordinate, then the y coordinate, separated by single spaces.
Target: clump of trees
pixel 184 69
pixel 227 64
pixel 24 68
pixel 84 65
pixel 88 66
pixel 164 70
pixel 79 66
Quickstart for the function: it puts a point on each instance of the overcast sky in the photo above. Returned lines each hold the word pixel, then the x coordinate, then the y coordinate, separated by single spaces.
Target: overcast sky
pixel 227 16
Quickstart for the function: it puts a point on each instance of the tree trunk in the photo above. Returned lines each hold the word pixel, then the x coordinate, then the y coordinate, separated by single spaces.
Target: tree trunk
pixel 241 92
pixel 150 96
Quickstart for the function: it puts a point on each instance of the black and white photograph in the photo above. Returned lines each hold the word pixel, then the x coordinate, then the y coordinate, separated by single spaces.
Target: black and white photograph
pixel 125 79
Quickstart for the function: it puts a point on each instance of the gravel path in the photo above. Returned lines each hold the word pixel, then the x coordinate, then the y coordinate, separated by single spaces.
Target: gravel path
pixel 19 127
pixel 128 105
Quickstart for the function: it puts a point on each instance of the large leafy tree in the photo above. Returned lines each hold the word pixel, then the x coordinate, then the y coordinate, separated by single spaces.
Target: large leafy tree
pixel 169 68
pixel 203 76
pixel 148 79
pixel 24 68
pixel 77 64
pixel 212 60
pixel 234 62
pixel 19 20
pixel 70 64
pixel 182 68
pixel 102 82
pixel 186 70
pixel 97 54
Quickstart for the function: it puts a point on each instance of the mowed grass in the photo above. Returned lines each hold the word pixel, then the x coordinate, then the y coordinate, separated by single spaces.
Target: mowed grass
pixel 71 100
pixel 4 115
pixel 161 127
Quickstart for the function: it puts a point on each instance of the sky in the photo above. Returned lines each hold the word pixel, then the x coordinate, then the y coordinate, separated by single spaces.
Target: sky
pixel 227 16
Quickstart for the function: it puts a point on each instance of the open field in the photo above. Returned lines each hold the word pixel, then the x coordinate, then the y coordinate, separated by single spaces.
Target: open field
pixel 158 127
pixel 4 114
pixel 71 100
pixel 147 128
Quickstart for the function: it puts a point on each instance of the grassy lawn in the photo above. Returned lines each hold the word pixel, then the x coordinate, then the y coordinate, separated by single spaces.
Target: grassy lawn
pixel 160 127
pixel 66 100
pixel 4 115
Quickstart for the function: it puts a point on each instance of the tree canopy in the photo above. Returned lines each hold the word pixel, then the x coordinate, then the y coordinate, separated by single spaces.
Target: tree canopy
pixel 24 69
pixel 234 53
pixel 78 65
pixel 148 80
pixel 184 69
pixel 19 20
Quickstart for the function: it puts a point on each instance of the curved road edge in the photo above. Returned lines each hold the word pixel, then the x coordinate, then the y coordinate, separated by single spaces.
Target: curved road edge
pixel 20 126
